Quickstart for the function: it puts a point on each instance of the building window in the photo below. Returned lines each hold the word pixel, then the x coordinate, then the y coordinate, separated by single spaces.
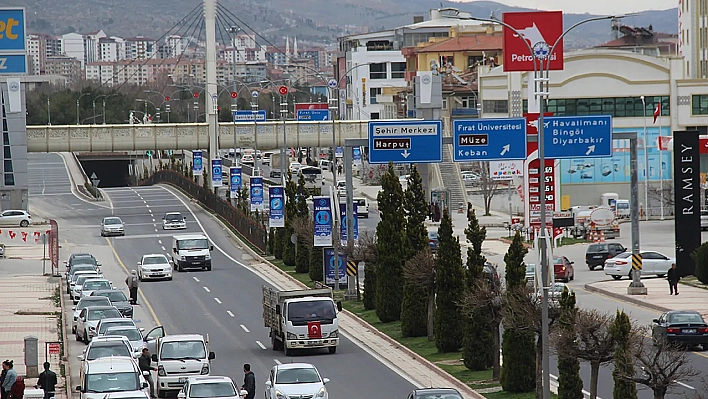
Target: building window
pixel 377 71
pixel 444 103
pixel 699 104
pixel 374 115
pixel 8 166
pixel 496 106
pixel 373 92
pixel 469 102
pixel 9 179
pixel 398 70
pixel 618 107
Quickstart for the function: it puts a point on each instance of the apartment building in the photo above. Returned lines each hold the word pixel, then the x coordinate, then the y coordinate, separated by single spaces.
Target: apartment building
pixel 139 48
pixel 68 67
pixel 72 45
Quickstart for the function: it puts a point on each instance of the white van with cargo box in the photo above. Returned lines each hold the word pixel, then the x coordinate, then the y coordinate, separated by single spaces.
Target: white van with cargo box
pixel 191 251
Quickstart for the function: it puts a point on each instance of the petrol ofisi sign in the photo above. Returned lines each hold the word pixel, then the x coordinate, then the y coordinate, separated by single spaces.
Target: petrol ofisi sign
pixel 539 30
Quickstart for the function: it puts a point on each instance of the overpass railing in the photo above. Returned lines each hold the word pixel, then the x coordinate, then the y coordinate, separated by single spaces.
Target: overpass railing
pixel 254 231
pixel 190 136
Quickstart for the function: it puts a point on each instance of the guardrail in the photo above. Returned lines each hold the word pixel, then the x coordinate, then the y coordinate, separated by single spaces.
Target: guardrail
pixel 252 230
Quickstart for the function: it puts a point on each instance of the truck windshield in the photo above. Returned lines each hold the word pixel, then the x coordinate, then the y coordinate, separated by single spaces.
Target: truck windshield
pixel 183 350
pixel 311 311
pixel 199 243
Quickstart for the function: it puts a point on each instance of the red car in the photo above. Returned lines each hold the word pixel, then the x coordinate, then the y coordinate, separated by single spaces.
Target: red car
pixel 563 269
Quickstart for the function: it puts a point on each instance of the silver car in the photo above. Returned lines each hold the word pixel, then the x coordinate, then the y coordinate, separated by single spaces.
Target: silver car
pixel 15 218
pixel 132 333
pixel 84 303
pixel 92 285
pixel 89 318
pixel 154 266
pixel 295 379
pixel 112 226
pixel 78 286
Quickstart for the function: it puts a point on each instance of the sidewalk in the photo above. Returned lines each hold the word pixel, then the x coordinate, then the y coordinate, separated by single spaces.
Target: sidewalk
pixel 29 310
pixel 657 298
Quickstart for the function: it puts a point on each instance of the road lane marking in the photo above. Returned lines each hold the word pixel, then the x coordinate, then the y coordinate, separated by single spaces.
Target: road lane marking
pixel 153 219
pixel 206 289
pixel 260 344
pixel 155 230
pixel 245 329
pixel 217 301
pixel 160 242
pixel 148 206
pixel 163 248
pixel 277 361
pixel 230 314
pixel 195 279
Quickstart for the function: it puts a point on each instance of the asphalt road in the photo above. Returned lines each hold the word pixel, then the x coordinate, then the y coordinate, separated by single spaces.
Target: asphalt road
pixel 224 303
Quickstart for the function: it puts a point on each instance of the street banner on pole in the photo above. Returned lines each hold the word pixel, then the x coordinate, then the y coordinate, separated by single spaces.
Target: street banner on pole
pixel 256 193
pixel 329 267
pixel 197 162
pixel 343 224
pixel 276 200
pixel 216 172
pixel 234 180
pixel 323 221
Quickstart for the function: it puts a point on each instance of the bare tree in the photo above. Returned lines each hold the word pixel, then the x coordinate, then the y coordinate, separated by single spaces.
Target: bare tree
pixel 488 186
pixel 523 312
pixel 365 248
pixel 490 299
pixel 420 271
pixel 590 340
pixel 304 228
pixel 659 365
pixel 703 392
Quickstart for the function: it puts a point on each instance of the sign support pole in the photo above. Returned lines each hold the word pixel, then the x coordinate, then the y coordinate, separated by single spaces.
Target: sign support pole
pixel 636 287
pixel 348 161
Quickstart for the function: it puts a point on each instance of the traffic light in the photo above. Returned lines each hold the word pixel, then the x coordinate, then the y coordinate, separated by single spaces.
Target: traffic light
pixel 149 154
pixel 169 152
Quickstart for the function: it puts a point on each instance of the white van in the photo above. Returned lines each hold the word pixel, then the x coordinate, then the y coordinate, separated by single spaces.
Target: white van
pixel 179 357
pixel 111 374
pixel 325 164
pixel 191 251
pixel 362 207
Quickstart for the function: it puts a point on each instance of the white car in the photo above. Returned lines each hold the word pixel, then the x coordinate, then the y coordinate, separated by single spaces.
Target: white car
pixel 107 323
pixel 174 221
pixel 554 292
pixel 78 286
pixel 247 159
pixel 91 285
pixel 89 318
pixel 132 333
pixel 295 380
pixel 84 303
pixel 295 167
pixel 112 226
pixel 75 277
pixel 105 347
pixel 210 387
pixel 362 207
pixel 154 266
pixel 653 264
pixel 107 375
pixel 15 218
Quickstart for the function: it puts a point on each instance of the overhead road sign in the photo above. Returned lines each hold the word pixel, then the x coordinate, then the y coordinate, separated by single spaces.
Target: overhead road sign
pixel 248 116
pixel 313 114
pixel 405 142
pixel 13 64
pixel 578 136
pixel 489 139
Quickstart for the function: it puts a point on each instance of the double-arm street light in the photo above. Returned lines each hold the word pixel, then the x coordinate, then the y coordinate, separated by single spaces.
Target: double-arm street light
pixel 78 105
pixel 105 98
pixel 146 106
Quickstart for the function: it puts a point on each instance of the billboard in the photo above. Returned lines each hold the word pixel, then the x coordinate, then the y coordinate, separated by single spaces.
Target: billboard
pixel 256 193
pixel 276 199
pixel 540 30
pixel 688 214
pixel 323 221
pixel 506 170
pixel 13 41
pixel 304 106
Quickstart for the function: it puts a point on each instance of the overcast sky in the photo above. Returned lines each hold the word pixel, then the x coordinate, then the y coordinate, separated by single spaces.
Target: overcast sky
pixel 601 7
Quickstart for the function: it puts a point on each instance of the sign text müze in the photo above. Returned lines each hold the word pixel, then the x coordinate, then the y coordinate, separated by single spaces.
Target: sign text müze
pixel 472 139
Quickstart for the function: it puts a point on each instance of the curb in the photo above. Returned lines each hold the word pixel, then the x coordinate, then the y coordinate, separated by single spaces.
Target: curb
pixel 442 373
pixel 624 298
pixel 65 341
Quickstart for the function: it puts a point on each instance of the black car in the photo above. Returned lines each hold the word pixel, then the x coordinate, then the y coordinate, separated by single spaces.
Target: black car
pixel 682 327
pixel 597 254
pixel 80 259
pixel 118 299
pixel 435 393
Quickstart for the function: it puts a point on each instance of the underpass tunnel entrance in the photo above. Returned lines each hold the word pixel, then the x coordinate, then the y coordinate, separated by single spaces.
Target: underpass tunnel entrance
pixel 109 173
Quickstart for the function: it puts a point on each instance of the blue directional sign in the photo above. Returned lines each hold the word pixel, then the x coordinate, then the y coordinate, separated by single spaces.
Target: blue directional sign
pixel 13 64
pixel 216 173
pixel 247 116
pixel 339 152
pixel 12 30
pixel 405 142
pixel 578 136
pixel 313 114
pixel 489 139
pixel 356 154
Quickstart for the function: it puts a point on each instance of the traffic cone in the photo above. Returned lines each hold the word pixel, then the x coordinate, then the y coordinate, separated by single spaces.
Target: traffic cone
pixel 602 236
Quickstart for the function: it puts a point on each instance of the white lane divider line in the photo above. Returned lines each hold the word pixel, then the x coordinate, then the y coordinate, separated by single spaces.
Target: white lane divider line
pixel 245 329
pixel 217 301
pixel 230 314
pixel 155 230
pixel 195 279
pixel 153 219
pixel 148 206
pixel 207 289
pixel 277 361
pixel 685 385
pixel 144 202
pixel 163 248
pixel 260 344
pixel 159 242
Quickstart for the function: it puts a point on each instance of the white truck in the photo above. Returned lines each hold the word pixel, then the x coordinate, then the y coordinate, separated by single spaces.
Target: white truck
pixel 178 357
pixel 191 251
pixel 276 160
pixel 301 319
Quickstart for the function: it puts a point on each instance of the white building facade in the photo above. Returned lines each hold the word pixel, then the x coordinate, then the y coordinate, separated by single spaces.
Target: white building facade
pixel 72 46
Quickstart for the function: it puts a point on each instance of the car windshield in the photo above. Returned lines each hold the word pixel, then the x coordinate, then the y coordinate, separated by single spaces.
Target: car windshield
pixel 112 221
pixel 99 350
pixel 154 260
pixel 557 261
pixel 133 334
pixel 438 395
pixel 103 314
pixel 96 285
pixel 622 205
pixel 115 296
pixel 174 217
pixel 113 382
pixel 82 279
pixel 530 268
pixel 198 243
pixel 685 318
pixel 98 301
pixel 597 248
pixel 182 350
pixel 212 390
pixel 116 323
pixel 82 268
pixel 297 376
pixel 311 310
pixel 83 261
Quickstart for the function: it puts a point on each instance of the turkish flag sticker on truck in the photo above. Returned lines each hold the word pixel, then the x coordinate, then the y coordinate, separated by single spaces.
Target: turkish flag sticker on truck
pixel 314 330
pixel 540 30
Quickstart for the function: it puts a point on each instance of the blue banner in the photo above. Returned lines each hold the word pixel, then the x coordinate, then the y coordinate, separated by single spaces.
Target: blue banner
pixel 216 176
pixel 356 154
pixel 276 198
pixel 256 193
pixel 343 225
pixel 13 36
pixel 339 152
pixel 329 267
pixel 323 221
pixel 234 180
pixel 197 162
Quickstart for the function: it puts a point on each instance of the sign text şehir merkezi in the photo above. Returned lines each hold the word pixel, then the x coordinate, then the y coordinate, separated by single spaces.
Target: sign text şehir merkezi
pixel 395 130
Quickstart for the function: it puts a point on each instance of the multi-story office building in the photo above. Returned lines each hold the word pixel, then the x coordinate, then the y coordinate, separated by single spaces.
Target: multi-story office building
pixel 92 47
pixel 693 37
pixel 72 46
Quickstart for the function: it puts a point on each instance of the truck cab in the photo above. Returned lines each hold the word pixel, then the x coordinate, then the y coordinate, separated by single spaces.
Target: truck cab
pixel 191 251
pixel 178 357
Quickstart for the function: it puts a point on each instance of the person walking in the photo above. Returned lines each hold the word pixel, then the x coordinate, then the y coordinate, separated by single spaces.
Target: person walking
pixel 144 362
pixel 132 282
pixel 47 381
pixel 437 213
pixel 673 277
pixel 10 378
pixel 249 381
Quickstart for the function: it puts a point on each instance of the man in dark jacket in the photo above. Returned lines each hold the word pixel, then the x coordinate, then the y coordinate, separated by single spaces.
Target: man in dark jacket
pixel 673 278
pixel 249 381
pixel 144 363
pixel 47 381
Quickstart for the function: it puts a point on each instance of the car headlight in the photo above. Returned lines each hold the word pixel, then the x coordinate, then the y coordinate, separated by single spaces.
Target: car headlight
pixel 182 257
pixel 280 394
pixel 334 334
pixel 321 393
pixel 205 369
pixel 145 269
pixel 207 256
pixel 291 336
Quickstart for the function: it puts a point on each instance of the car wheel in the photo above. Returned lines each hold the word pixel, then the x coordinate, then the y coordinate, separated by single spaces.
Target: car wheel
pixel 208 268
pixel 616 277
pixel 591 267
pixel 24 223
pixel 288 352
pixel 78 337
pixel 332 349
pixel 179 268
pixel 169 278
pixel 160 394
pixel 86 338
pixel 102 235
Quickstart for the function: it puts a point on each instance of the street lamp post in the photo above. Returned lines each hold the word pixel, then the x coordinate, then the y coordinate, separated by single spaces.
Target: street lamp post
pixel 49 111
pixel 78 100
pixel 234 30
pixel 646 162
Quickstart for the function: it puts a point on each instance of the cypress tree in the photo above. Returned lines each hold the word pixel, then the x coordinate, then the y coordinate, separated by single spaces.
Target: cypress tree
pixel 391 248
pixel 449 287
pixel 414 307
pixel 477 341
pixel 369 297
pixel 316 264
pixel 570 385
pixel 515 268
pixel 302 260
pixel 278 243
pixel 621 329
pixel 290 215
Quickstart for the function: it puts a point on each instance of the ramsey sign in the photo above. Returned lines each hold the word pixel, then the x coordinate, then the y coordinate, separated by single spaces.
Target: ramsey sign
pixel 540 30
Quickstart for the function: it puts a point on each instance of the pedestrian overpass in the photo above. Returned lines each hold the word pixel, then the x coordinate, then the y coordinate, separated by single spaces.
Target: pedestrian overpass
pixel 191 136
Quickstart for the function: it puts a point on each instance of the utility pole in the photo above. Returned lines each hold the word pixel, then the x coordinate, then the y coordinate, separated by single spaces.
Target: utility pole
pixel 211 86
